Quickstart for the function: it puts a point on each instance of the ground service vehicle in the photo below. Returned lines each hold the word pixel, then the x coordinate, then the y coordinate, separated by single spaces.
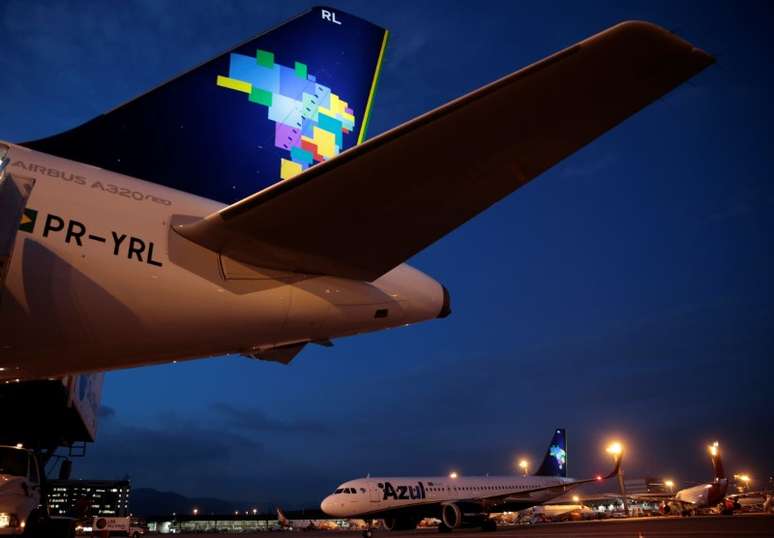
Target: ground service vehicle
pixel 52 420
pixel 22 499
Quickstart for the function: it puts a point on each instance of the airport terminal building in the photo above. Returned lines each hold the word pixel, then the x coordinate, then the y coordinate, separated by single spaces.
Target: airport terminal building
pixel 101 497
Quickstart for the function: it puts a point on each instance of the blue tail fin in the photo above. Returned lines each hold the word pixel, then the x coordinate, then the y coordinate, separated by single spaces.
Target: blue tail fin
pixel 264 111
pixel 555 461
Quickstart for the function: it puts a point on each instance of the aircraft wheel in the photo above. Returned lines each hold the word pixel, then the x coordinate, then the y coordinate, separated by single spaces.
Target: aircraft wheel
pixel 442 527
pixel 35 523
pixel 490 525
pixel 60 528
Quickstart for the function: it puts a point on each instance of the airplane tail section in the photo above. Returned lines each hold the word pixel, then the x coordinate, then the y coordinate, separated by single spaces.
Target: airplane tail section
pixel 717 464
pixel 412 185
pixel 555 461
pixel 262 112
pixel 282 518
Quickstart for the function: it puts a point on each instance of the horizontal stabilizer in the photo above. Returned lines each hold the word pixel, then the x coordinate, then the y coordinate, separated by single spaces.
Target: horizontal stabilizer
pixel 374 206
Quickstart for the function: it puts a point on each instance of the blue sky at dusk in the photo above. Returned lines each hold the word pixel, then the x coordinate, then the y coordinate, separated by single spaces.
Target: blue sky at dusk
pixel 627 292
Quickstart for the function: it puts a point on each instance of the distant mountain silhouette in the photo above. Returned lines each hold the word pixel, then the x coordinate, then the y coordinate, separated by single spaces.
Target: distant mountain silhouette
pixel 147 501
pixel 152 502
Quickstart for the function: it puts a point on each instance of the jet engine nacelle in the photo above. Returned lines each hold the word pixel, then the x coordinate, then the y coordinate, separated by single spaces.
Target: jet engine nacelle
pixel 400 523
pixel 459 515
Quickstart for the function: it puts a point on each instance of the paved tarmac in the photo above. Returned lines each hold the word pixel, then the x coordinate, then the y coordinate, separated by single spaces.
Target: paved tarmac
pixel 743 526
pixel 651 527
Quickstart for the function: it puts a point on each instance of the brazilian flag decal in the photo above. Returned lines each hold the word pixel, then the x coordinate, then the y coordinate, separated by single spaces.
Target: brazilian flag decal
pixel 28 220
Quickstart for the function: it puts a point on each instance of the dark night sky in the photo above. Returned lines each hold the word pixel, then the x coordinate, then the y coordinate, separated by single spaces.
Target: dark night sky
pixel 627 292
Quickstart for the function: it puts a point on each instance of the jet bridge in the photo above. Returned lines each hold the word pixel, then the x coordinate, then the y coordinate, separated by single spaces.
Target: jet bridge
pixel 14 192
pixel 45 414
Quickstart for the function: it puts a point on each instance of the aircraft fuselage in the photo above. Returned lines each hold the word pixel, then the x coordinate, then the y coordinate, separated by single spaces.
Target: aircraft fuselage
pixel 98 279
pixel 427 495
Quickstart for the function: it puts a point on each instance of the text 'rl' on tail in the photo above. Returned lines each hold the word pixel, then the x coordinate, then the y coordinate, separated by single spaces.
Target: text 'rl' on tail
pixel 555 460
pixel 261 112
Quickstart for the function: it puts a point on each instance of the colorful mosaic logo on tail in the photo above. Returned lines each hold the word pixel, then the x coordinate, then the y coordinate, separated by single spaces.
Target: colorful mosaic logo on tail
pixel 310 120
pixel 558 454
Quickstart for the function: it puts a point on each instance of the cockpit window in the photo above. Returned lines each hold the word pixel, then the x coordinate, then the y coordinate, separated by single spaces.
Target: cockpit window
pixel 338 491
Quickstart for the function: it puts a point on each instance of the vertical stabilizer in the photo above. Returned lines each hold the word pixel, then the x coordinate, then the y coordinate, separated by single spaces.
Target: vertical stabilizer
pixel 282 518
pixel 717 464
pixel 555 461
pixel 262 112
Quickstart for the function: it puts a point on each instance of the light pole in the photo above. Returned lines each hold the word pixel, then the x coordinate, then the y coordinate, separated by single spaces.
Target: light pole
pixel 745 479
pixel 524 466
pixel 616 450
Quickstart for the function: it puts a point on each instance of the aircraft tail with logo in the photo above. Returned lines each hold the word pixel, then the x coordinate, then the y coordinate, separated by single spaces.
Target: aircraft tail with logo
pixel 262 112
pixel 555 460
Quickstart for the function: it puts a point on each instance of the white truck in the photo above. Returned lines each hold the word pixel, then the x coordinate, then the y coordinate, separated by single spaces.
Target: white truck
pixel 22 511
pixel 116 526
pixel 20 491
pixel 48 414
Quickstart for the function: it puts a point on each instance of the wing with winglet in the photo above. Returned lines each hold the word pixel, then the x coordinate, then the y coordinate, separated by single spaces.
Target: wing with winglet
pixel 372 207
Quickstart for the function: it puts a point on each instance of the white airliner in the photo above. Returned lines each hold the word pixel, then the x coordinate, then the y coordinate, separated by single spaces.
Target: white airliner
pixel 238 208
pixel 455 500
pixel 688 500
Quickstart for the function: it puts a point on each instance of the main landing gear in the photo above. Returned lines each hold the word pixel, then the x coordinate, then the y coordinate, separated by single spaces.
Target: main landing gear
pixel 489 525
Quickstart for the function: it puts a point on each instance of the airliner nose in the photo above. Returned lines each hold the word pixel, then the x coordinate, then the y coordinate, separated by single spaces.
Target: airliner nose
pixel 327 505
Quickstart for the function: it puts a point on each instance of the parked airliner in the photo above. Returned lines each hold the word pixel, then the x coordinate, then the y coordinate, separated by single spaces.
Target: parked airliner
pixel 688 500
pixel 238 208
pixel 457 501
